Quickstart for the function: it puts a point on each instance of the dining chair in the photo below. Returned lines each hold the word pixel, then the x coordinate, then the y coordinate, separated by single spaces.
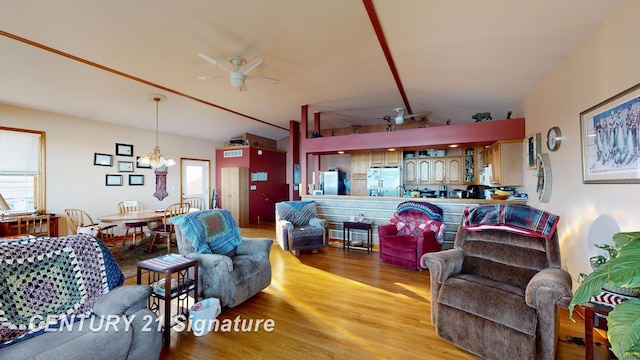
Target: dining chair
pixel 79 221
pixel 127 207
pixel 34 225
pixel 166 229
pixel 196 202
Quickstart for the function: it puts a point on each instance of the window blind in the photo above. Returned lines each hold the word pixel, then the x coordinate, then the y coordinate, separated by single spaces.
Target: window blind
pixel 19 153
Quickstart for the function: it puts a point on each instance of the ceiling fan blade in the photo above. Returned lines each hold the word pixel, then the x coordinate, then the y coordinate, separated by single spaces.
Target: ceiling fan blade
pixel 250 65
pixel 214 62
pixel 265 79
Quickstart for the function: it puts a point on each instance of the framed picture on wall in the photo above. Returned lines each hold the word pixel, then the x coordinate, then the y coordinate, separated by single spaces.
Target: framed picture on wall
pixel 102 159
pixel 125 166
pixel 136 180
pixel 610 138
pixel 124 149
pixel 533 148
pixel 113 180
pixel 142 166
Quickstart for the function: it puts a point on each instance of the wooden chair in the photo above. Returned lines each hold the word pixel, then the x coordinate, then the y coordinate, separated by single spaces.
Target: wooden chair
pixel 127 207
pixel 80 220
pixel 166 229
pixel 196 202
pixel 34 225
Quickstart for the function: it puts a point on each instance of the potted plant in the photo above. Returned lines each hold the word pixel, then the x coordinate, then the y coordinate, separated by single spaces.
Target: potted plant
pixel 621 270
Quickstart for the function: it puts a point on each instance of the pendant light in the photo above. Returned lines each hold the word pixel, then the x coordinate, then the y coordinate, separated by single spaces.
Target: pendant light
pixel 155 158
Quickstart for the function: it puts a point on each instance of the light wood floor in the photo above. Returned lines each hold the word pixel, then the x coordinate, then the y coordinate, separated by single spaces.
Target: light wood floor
pixel 335 305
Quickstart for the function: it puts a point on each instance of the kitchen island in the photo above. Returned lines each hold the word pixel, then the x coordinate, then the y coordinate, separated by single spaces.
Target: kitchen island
pixel 337 209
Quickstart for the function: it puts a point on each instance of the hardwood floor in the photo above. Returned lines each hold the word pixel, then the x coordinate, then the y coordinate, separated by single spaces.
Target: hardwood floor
pixel 335 305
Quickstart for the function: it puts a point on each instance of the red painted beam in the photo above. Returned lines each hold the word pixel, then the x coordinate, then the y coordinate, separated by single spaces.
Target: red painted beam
pixel 481 133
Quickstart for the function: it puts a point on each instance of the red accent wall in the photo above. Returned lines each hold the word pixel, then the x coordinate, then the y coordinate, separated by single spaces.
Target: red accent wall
pixel 272 162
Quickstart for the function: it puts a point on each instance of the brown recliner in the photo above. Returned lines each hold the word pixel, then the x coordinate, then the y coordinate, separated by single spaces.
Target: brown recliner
pixel 496 292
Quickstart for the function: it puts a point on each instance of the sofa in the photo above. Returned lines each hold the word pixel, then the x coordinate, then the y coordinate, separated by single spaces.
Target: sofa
pixel 497 292
pixel 230 268
pixel 63 298
pixel 415 229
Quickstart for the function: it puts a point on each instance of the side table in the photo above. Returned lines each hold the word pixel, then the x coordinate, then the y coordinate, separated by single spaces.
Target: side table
pixel 170 277
pixel 595 316
pixel 347 226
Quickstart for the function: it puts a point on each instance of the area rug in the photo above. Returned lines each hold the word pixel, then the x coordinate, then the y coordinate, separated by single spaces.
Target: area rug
pixel 130 257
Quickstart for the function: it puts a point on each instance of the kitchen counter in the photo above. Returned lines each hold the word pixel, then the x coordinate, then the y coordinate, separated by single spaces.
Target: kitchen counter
pixel 379 209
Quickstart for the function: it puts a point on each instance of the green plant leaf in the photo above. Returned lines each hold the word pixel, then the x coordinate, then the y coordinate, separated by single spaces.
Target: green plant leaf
pixel 624 329
pixel 623 238
pixel 591 286
pixel 624 270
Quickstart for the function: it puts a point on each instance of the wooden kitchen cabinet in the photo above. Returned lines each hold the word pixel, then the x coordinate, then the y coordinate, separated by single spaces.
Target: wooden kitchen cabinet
pixel 386 158
pixel 505 158
pixel 418 171
pixel 235 193
pixel 359 166
pixel 447 170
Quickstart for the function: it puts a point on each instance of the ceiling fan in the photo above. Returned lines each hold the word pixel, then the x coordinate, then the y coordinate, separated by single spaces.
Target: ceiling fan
pixel 241 68
pixel 400 115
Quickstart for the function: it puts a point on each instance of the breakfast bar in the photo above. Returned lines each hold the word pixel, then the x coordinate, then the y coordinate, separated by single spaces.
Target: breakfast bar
pixel 337 209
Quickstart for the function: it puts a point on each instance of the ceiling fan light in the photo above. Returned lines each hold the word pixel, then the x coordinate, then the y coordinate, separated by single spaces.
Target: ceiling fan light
pixel 237 79
pixel 399 120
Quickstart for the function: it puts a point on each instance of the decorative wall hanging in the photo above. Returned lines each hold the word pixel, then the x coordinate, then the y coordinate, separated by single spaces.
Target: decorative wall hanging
pixel 610 138
pixel 161 183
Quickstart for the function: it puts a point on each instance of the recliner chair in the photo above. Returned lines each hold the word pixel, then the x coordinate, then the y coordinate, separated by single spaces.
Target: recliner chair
pixel 298 226
pixel 416 228
pixel 497 292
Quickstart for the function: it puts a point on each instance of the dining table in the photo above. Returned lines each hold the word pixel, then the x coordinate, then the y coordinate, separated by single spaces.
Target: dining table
pixel 133 216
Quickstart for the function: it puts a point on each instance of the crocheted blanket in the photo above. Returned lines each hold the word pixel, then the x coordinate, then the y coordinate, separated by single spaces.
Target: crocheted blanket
pixel 50 281
pixel 520 219
pixel 210 231
pixel 432 211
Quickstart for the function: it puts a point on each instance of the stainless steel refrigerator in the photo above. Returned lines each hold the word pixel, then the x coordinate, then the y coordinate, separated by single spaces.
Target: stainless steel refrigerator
pixel 384 181
pixel 332 182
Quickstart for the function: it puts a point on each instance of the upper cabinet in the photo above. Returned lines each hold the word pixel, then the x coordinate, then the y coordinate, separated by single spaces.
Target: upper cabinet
pixel 433 170
pixel 505 158
pixel 385 158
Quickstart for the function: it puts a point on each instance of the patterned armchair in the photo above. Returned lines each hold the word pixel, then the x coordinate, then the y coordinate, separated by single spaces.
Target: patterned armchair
pixel 415 229
pixel 298 226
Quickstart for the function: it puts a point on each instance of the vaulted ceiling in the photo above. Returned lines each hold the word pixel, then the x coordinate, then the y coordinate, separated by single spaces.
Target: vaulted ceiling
pixel 100 59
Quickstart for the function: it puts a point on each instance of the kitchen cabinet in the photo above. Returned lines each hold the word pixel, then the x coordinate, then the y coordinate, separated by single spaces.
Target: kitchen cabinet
pixel 472 165
pixel 505 158
pixel 433 170
pixel 359 166
pixel 385 158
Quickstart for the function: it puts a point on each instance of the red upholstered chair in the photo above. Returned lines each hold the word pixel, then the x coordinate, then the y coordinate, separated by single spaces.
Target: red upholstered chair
pixel 415 229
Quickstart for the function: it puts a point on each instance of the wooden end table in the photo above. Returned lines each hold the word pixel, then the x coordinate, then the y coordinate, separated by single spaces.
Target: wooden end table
pixel 161 272
pixel 595 316
pixel 347 226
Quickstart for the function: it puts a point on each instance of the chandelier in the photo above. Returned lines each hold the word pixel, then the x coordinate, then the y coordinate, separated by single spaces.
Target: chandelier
pixel 155 158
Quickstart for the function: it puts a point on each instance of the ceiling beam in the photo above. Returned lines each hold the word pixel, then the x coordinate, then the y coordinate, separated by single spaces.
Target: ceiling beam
pixel 375 22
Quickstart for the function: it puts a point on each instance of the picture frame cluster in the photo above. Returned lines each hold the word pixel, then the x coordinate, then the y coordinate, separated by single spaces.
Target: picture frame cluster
pixel 123 166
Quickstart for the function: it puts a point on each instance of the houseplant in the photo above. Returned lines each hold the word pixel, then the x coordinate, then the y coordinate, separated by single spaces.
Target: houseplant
pixel 620 270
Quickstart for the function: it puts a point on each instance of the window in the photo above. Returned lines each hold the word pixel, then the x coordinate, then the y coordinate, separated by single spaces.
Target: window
pixel 22 169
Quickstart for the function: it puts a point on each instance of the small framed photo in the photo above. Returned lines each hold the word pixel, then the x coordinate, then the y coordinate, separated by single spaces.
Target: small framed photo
pixel 533 149
pixel 125 166
pixel 124 149
pixel 136 180
pixel 113 180
pixel 102 159
pixel 140 165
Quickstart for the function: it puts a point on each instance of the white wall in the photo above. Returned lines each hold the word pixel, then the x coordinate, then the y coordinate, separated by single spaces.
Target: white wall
pixel 603 66
pixel 72 179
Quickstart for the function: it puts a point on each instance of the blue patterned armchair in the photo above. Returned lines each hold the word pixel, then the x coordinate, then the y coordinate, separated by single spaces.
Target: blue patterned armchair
pixel 298 226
